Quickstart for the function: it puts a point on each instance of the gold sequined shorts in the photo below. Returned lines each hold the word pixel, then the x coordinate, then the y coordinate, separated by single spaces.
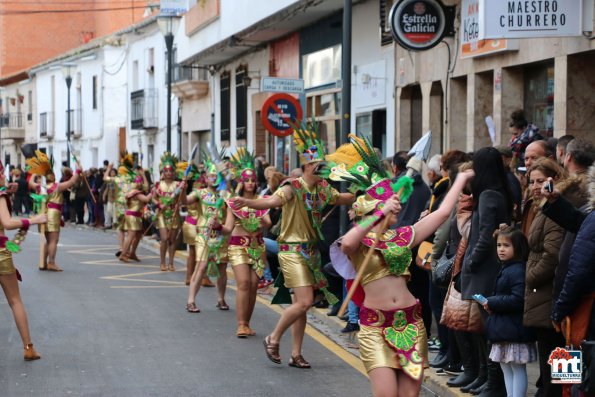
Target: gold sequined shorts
pixel 238 252
pixel 168 223
pixel 201 246
pixel 54 219
pixel 6 265
pixel 294 265
pixel 189 233
pixel 133 223
pixel 374 350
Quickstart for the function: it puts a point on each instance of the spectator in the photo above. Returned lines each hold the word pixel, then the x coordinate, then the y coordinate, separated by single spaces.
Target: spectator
pixel 523 133
pixel 545 238
pixel 399 163
pixel 515 185
pixel 21 197
pixel 109 199
pixel 561 148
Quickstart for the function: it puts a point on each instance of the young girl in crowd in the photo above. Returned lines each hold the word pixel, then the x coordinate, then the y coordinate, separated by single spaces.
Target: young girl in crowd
pixel 513 345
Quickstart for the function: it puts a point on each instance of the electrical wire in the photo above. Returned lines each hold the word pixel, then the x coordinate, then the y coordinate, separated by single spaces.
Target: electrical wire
pixel 71 2
pixel 30 12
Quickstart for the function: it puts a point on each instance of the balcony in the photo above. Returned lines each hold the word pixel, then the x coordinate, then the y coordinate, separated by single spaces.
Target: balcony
pixel 143 109
pixel 189 82
pixel 76 122
pixel 46 125
pixel 13 126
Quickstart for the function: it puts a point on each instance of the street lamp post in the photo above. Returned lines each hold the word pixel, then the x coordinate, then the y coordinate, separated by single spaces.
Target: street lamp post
pixel 168 24
pixel 67 70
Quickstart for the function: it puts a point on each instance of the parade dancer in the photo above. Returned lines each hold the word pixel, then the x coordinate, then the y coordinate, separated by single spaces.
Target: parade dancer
pixel 165 194
pixel 133 217
pixel 246 246
pixel 210 244
pixel 42 166
pixel 302 201
pixel 193 210
pixel 9 276
pixel 392 339
pixel 123 183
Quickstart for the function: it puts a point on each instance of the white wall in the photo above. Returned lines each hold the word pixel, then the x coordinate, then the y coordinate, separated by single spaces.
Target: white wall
pixel 368 57
pixel 234 17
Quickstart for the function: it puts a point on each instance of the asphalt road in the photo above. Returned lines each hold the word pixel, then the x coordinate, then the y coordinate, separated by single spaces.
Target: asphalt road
pixel 104 328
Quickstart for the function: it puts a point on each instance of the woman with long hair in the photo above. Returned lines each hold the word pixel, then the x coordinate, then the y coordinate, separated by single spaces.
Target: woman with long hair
pixel 165 195
pixel 246 250
pixel 493 206
pixel 8 274
pixel 43 166
pixel 392 340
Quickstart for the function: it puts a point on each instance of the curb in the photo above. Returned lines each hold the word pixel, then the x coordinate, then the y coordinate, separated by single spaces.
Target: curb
pixel 433 384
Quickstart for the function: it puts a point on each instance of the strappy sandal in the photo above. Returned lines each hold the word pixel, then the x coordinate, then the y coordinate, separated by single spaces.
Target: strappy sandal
pixel 192 308
pixel 171 268
pixel 163 267
pixel 221 305
pixel 251 331
pixel 299 362
pixel 271 350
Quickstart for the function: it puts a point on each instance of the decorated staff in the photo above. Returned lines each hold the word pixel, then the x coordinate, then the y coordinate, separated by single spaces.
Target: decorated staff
pixel 165 194
pixel 302 201
pixel 392 339
pixel 246 246
pixel 8 273
pixel 43 167
pixel 210 244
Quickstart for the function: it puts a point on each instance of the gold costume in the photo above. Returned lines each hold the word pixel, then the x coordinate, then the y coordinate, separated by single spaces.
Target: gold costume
pixel 6 265
pixel 299 234
pixel 123 186
pixel 189 226
pixel 54 214
pixel 210 244
pixel 247 250
pixel 167 197
pixel 396 338
pixel 133 220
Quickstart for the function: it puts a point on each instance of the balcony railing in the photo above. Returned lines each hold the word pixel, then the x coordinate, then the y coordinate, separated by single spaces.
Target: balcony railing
pixel 143 109
pixel 189 82
pixel 46 124
pixel 184 73
pixel 12 120
pixel 76 122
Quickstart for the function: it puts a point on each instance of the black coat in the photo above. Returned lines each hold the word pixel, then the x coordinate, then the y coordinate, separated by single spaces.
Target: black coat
pixel 505 324
pixel 481 264
pixel 581 273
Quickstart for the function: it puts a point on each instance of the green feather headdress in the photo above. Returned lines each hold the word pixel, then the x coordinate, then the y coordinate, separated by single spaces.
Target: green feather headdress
pixel 307 142
pixel 243 164
pixel 358 164
pixel 168 160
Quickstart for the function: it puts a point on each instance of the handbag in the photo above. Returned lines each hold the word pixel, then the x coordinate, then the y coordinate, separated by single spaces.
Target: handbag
pixel 460 314
pixel 442 271
pixel 580 319
pixel 424 255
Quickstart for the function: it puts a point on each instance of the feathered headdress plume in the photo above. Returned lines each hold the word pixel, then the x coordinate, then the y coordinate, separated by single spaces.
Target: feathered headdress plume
pixel 188 171
pixel 168 160
pixel 126 167
pixel 40 164
pixel 243 164
pixel 307 142
pixel 358 164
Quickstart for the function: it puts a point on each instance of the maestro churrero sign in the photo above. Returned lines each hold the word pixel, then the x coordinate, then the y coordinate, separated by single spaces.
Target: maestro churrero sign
pixel 418 24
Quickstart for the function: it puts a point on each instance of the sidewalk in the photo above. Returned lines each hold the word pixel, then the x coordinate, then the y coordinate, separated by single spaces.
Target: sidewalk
pixel 331 327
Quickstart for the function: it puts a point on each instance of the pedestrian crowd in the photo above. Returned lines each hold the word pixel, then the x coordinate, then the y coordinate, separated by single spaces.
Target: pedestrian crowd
pixel 496 247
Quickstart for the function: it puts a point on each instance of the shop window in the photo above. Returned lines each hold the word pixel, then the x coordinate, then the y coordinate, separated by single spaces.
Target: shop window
pixel 539 97
pixel 325 108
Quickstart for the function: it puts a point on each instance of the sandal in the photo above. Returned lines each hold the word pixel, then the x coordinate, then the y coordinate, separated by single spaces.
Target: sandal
pixel 163 267
pixel 272 350
pixel 192 308
pixel 243 331
pixel 299 362
pixel 221 305
pixel 251 331
pixel 134 257
pixel 171 268
pixel 52 267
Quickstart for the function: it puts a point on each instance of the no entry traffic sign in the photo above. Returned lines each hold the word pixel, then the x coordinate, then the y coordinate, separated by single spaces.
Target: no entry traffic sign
pixel 278 111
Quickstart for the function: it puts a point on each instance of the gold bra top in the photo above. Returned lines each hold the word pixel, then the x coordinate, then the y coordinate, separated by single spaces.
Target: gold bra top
pixel 391 257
